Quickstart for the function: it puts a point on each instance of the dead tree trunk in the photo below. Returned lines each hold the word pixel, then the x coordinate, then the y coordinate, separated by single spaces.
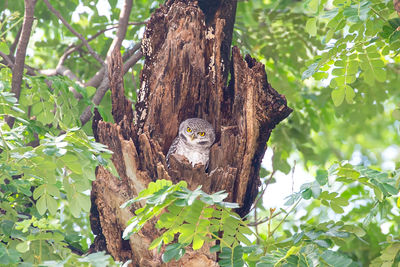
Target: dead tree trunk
pixel 187 62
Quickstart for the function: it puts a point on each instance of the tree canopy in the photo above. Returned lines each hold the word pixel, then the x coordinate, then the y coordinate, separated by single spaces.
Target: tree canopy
pixel 338 65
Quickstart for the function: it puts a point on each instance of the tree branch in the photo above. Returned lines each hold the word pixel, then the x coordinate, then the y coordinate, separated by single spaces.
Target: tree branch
pixel 80 36
pixel 98 96
pixel 98 77
pixel 123 25
pixel 263 191
pixel 132 61
pixel 7 60
pixel 14 44
pixel 19 63
pixel 120 36
pixel 73 48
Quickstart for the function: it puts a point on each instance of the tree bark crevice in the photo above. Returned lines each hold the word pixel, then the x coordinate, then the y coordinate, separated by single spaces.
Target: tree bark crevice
pixel 187 63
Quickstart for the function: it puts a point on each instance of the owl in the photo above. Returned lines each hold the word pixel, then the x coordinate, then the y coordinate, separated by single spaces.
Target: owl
pixel 195 137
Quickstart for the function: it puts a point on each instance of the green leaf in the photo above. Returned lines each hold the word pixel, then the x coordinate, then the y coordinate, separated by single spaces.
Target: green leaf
pixel 340 201
pixel 9 256
pixel 388 254
pixel 198 242
pixel 349 94
pixel 396 114
pixel 354 229
pixel 156 242
pixel 311 26
pixel 173 251
pixel 336 208
pixel 310 70
pixel 84 202
pixel 53 190
pixel 338 96
pixel 4 48
pixel 336 258
pixel 41 205
pixel 51 204
pixel 215 248
pixel 39 191
pixel 322 177
pixel 23 246
pixel 75 206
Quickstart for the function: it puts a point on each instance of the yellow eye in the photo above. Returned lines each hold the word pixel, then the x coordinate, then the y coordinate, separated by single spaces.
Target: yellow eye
pixel 189 130
pixel 201 133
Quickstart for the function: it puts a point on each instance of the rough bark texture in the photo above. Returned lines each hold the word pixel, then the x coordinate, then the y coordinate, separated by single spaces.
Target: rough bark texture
pixel 188 60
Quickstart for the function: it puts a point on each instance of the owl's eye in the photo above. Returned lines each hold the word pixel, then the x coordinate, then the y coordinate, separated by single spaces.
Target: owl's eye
pixel 188 130
pixel 201 133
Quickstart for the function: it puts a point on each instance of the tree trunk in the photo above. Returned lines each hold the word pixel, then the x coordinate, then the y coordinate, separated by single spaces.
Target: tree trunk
pixel 187 63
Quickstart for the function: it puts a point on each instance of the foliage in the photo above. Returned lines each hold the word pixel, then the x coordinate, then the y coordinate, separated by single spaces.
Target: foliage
pixel 191 218
pixel 47 158
pixel 38 182
pixel 194 216
pixel 337 63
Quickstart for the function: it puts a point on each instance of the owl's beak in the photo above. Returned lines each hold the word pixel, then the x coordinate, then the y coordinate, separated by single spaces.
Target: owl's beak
pixel 192 137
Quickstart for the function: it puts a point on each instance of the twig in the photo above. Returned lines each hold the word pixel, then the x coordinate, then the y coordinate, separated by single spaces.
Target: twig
pixel 379 15
pixel 123 20
pixel 264 220
pixel 263 191
pixel 102 89
pixel 256 225
pixel 19 63
pixel 284 218
pixel 80 36
pixel 8 61
pixel 294 167
pixel 73 48
pixel 14 44
pixel 132 61
pixel 123 25
pixel 98 96
pixel 98 77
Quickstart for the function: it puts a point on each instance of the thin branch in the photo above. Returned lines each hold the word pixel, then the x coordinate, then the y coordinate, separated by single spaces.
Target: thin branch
pixel 120 36
pixel 132 61
pixel 103 87
pixel 8 60
pixel 263 191
pixel 284 218
pixel 98 96
pixel 379 15
pixel 14 44
pixel 98 77
pixel 19 63
pixel 123 25
pixel 80 36
pixel 264 220
pixel 129 52
pixel 293 169
pixel 123 21
pixel 9 63
pixel 73 48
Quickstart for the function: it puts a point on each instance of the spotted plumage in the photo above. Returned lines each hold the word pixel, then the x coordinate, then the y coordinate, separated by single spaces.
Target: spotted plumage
pixel 195 137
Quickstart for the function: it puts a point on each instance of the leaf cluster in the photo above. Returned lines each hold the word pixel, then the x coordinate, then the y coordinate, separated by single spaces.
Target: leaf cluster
pixel 188 218
pixel 37 181
pixel 194 217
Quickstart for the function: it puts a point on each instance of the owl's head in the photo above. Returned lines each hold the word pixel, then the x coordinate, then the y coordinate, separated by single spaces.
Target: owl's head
pixel 197 132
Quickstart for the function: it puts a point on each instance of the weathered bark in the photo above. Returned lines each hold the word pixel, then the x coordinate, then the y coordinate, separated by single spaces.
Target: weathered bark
pixel 187 51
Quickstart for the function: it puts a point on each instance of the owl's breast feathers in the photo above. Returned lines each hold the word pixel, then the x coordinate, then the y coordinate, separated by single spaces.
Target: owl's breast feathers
pixel 192 153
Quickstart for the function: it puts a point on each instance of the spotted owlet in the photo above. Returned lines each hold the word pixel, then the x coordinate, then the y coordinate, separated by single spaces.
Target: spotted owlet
pixel 194 140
